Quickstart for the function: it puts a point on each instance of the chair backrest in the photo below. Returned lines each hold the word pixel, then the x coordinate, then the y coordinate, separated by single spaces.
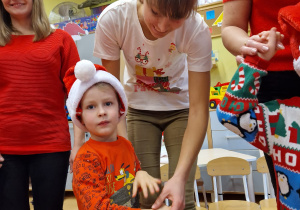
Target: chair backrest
pixel 226 166
pixel 261 165
pixel 197 173
pixel 164 173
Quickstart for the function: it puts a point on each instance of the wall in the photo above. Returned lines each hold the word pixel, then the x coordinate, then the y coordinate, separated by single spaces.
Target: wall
pixel 226 64
pixel 50 4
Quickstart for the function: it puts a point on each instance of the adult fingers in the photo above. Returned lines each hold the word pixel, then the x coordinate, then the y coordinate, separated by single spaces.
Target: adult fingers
pixel 239 59
pixel 245 50
pixel 272 38
pixel 258 46
pixel 159 201
pixel 1 160
pixel 71 163
pixel 279 38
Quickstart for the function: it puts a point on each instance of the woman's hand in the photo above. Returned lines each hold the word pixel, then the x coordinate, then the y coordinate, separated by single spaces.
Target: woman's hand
pixel 258 44
pixel 164 207
pixel 144 181
pixel 1 160
pixel 72 156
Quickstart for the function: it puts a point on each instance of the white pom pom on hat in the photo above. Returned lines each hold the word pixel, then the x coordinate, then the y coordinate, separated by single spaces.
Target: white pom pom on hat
pixel 79 78
pixel 85 70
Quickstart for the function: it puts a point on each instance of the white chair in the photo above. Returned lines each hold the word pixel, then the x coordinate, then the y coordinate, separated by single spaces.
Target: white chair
pixel 230 166
pixel 269 202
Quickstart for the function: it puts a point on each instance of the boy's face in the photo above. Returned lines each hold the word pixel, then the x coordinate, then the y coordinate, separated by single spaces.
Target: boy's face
pixel 101 113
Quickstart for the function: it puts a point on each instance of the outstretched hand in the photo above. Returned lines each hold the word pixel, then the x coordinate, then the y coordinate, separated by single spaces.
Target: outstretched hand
pixel 259 44
pixel 271 44
pixel 174 190
pixel 72 157
pixel 268 43
pixel 1 160
pixel 144 181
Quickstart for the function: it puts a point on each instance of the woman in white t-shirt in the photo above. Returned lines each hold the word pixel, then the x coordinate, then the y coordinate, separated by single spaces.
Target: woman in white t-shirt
pixel 167 50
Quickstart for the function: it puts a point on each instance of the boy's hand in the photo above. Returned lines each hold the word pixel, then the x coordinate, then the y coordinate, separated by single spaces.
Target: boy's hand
pixel 144 181
pixel 271 44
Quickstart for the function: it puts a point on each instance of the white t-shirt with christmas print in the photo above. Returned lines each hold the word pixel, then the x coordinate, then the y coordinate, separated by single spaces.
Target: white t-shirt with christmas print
pixel 156 72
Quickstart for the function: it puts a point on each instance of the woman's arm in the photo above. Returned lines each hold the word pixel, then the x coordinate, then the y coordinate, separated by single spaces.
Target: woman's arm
pixel 199 84
pixel 235 30
pixel 235 24
pixel 79 139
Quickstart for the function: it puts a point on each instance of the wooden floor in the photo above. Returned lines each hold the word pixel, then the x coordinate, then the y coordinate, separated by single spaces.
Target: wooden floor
pixel 71 204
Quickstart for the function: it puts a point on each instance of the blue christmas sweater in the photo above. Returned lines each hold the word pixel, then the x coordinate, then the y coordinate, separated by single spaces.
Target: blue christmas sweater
pixel 273 127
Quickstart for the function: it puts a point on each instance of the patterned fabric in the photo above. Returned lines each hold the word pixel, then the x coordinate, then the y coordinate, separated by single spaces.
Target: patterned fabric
pixel 273 127
pixel 103 173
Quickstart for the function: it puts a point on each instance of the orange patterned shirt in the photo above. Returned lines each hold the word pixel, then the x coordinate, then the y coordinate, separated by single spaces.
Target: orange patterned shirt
pixel 103 173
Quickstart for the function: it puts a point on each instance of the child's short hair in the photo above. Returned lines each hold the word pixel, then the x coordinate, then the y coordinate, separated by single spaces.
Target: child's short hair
pixel 79 78
pixel 175 9
pixel 105 84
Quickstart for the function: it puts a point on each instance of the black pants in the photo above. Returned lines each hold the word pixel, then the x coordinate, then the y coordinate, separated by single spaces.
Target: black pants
pixel 48 174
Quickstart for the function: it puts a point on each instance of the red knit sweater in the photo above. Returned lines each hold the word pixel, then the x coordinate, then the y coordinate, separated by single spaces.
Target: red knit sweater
pixel 32 94
pixel 264 15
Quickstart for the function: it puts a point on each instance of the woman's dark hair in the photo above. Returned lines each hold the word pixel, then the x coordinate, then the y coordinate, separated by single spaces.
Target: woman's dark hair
pixel 175 9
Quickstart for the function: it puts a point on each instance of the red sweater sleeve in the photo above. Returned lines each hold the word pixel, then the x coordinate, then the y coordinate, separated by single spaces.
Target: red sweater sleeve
pixel 69 53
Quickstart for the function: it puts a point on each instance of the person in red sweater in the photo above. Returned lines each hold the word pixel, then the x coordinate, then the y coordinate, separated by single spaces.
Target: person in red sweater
pixel 260 15
pixel 106 170
pixel 34 133
pixel 273 126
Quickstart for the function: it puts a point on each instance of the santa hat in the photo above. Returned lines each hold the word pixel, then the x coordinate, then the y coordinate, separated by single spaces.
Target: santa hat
pixel 79 78
pixel 289 20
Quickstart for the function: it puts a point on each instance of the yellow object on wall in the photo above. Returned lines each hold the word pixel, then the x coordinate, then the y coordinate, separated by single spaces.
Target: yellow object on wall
pixel 225 66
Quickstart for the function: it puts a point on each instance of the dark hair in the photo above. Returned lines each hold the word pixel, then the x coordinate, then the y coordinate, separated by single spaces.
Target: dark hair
pixel 175 9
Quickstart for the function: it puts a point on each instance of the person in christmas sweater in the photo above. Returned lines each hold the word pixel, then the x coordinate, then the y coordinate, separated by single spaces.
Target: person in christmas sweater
pixel 106 170
pixel 239 17
pixel 273 127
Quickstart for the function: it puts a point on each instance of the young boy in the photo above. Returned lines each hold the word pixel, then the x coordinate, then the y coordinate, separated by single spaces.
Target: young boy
pixel 272 127
pixel 106 170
